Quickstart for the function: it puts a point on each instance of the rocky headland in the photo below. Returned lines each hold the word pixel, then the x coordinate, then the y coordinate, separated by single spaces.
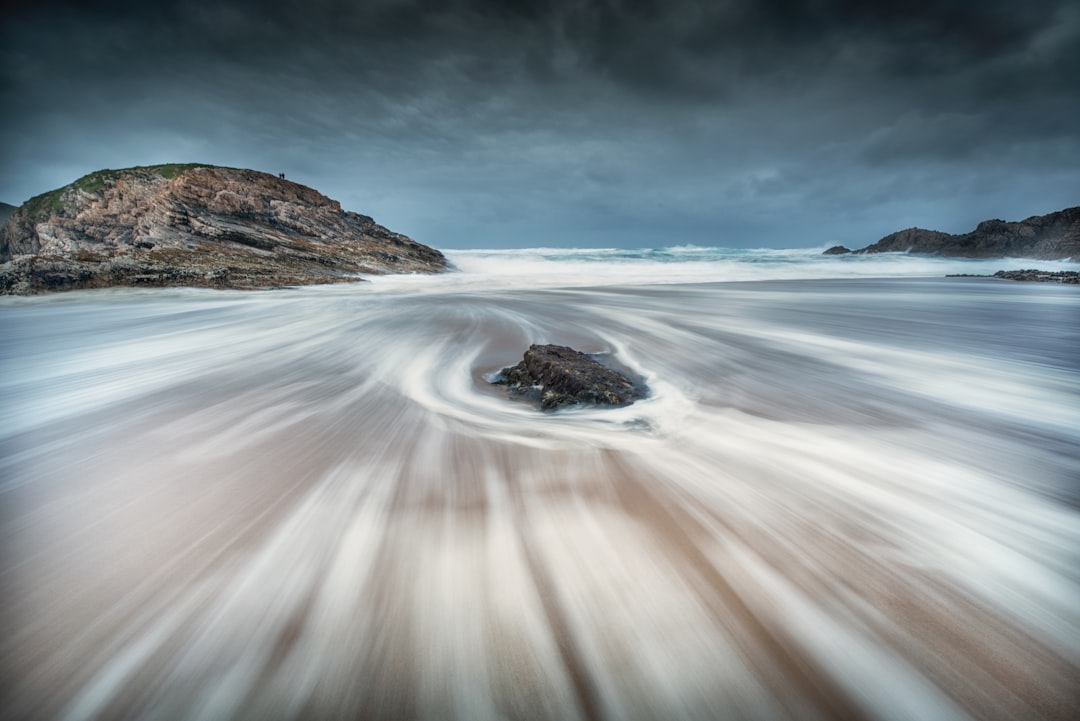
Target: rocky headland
pixel 195 225
pixel 555 376
pixel 1055 236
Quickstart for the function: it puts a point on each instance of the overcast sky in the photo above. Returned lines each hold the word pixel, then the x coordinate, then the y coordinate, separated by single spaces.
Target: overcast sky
pixel 633 123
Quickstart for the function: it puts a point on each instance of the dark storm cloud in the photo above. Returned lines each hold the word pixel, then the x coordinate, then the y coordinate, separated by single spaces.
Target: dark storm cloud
pixel 634 122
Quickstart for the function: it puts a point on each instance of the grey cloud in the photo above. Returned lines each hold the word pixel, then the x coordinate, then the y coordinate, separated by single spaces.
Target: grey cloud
pixel 469 123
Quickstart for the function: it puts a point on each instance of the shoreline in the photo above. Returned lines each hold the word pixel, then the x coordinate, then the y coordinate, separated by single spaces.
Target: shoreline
pixel 581 267
pixel 465 284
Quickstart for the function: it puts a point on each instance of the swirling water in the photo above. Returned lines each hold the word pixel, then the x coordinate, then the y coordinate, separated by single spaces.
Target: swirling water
pixel 845 498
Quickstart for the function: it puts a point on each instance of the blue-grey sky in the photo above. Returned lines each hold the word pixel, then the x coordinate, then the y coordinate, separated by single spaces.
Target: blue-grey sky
pixel 485 123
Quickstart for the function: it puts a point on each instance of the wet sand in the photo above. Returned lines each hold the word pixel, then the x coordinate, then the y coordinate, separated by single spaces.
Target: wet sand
pixel 843 500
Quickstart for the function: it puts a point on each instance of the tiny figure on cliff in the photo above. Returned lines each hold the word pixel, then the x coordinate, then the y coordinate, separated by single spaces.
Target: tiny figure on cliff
pixel 281 175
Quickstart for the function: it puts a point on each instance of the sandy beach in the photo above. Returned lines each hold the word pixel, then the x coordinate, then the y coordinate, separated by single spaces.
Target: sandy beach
pixel 843 499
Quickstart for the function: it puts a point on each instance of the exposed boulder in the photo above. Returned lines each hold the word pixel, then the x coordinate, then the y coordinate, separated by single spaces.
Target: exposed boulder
pixel 195 225
pixel 837 250
pixel 556 376
pixel 1053 236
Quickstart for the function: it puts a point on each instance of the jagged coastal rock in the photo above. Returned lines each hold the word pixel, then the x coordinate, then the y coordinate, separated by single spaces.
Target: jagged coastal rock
pixel 1069 277
pixel 1055 236
pixel 195 225
pixel 837 250
pixel 556 376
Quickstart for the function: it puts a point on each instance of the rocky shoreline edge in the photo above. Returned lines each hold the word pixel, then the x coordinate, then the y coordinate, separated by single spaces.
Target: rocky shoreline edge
pixel 1031 275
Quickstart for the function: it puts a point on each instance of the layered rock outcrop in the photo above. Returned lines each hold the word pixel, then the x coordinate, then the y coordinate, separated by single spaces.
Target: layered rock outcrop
pixel 195 225
pixel 1054 236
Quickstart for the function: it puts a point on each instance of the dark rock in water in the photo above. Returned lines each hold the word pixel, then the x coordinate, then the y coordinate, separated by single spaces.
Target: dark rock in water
pixel 837 250
pixel 556 376
pixel 1070 277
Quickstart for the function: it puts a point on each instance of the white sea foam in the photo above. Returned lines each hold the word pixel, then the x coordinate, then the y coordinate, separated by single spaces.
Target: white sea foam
pixel 561 267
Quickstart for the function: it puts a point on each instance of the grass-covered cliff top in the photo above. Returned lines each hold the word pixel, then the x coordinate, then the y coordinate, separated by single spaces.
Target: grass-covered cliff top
pixel 53 201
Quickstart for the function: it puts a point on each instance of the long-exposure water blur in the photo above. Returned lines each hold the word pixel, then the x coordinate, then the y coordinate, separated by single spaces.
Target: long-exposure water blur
pixel 847 498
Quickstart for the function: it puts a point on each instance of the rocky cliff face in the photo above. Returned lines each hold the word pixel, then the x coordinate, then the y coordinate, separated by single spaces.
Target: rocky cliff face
pixel 1046 237
pixel 193 225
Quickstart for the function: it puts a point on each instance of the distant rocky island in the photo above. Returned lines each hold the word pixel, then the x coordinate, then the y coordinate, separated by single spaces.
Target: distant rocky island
pixel 1055 236
pixel 194 225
